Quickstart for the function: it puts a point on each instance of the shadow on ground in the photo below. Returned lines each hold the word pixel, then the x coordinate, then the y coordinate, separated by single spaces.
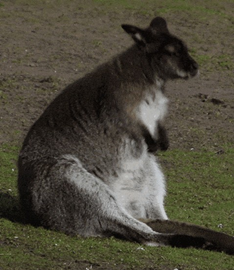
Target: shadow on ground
pixel 10 208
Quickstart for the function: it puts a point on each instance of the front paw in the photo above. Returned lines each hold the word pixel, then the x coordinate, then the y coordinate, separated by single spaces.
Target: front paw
pixel 153 147
pixel 164 144
pixel 163 140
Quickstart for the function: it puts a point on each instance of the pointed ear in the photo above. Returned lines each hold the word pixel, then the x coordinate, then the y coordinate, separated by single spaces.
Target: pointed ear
pixel 159 25
pixel 136 33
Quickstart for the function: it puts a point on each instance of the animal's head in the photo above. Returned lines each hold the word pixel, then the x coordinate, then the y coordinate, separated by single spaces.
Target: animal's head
pixel 168 55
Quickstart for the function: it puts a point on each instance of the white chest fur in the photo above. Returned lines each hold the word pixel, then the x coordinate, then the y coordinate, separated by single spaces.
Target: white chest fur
pixel 140 187
pixel 152 110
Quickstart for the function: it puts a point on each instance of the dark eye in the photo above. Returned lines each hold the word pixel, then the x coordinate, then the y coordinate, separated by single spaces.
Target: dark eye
pixel 177 54
pixel 172 50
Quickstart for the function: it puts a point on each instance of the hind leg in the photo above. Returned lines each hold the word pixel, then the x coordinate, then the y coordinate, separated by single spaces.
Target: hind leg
pixel 93 210
pixel 79 203
pixel 102 211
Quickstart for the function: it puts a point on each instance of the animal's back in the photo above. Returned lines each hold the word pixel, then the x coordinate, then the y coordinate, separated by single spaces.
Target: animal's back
pixel 82 132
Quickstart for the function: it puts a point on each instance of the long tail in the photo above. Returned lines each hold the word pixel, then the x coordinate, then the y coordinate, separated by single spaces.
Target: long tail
pixel 189 235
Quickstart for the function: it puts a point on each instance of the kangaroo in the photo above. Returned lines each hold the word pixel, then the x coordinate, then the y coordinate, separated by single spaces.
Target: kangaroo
pixel 87 166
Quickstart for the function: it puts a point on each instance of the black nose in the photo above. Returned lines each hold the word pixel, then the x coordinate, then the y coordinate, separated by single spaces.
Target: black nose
pixel 194 66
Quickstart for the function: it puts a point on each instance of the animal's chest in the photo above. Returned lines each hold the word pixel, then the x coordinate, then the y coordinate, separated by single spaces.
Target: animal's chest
pixel 151 110
pixel 131 178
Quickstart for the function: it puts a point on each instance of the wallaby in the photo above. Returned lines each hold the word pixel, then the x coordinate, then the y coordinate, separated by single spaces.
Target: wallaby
pixel 86 166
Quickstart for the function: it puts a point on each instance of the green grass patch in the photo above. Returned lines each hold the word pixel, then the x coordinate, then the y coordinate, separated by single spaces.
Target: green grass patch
pixel 200 186
pixel 8 157
pixel 220 62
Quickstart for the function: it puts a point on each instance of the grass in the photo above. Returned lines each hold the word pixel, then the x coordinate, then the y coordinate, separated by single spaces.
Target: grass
pixel 200 188
pixel 220 62
pixel 205 182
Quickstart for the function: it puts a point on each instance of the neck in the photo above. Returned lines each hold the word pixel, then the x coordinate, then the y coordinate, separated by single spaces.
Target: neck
pixel 134 67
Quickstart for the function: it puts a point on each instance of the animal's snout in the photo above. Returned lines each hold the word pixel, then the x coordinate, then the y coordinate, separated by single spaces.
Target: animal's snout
pixel 193 68
pixel 194 65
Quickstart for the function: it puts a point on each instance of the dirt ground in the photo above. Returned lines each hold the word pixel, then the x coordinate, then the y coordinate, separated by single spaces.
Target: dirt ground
pixel 44 47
